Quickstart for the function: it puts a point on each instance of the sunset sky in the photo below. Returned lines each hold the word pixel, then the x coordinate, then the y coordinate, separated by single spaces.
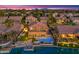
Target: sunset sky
pixel 38 6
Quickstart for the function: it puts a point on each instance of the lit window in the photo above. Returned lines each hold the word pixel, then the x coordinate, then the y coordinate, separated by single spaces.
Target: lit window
pixel 63 36
pixel 71 35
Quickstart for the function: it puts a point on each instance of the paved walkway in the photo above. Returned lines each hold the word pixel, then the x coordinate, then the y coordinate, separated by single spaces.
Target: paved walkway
pixel 5 44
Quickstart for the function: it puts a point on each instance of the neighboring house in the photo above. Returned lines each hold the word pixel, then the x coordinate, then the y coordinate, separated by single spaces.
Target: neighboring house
pixel 75 20
pixel 68 31
pixel 2 19
pixel 2 28
pixel 31 19
pixel 43 19
pixel 16 24
pixel 16 27
pixel 16 18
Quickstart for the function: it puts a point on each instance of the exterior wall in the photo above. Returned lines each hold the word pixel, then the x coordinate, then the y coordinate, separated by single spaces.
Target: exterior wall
pixel 60 21
pixel 76 21
pixel 38 34
pixel 66 35
pixel 76 34
pixel 43 20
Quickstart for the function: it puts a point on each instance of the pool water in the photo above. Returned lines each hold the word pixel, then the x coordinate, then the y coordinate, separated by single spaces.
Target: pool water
pixel 46 50
pixel 46 40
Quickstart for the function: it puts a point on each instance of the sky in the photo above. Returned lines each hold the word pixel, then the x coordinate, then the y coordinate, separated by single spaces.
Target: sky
pixel 39 6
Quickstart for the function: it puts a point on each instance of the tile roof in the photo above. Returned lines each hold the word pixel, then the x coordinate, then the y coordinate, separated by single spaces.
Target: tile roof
pixel 65 29
pixel 2 28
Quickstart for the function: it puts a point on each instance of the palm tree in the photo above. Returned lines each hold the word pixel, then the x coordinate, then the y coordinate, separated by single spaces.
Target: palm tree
pixel 51 22
pixel 25 30
pixel 23 20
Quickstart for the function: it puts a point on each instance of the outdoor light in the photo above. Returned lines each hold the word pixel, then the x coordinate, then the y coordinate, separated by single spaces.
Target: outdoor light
pixel 63 35
pixel 71 35
pixel 25 30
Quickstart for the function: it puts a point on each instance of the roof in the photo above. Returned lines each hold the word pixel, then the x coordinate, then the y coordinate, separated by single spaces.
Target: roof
pixel 65 29
pixel 15 18
pixel 34 23
pixel 15 27
pixel 39 25
pixel 2 28
pixel 43 18
pixel 31 17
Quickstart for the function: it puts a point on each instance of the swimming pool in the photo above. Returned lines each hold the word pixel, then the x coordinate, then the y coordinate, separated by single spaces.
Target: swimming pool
pixel 46 40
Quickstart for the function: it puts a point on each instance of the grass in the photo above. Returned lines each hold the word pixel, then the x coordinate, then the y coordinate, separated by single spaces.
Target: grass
pixel 71 23
pixel 69 45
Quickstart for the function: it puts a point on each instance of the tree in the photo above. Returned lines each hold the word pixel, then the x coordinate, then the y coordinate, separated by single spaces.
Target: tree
pixel 8 23
pixel 51 22
pixel 37 13
pixel 0 47
pixel 23 20
pixel 33 39
pixel 3 37
pixel 25 30
pixel 12 35
pixel 1 12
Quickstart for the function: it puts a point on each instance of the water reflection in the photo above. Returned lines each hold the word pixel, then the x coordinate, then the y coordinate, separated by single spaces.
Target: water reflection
pixel 47 50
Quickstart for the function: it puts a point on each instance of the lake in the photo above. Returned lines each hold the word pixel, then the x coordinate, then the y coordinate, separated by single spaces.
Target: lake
pixel 46 50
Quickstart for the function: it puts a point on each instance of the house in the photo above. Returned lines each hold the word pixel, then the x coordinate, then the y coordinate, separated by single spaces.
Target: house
pixel 16 18
pixel 75 20
pixel 38 29
pixel 31 19
pixel 66 31
pixel 43 19
pixel 16 27
pixel 3 28
pixel 2 18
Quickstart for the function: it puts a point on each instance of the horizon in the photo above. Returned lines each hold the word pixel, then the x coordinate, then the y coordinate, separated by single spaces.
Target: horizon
pixel 30 7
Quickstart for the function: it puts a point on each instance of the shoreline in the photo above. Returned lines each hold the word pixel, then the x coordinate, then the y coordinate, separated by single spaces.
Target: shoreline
pixel 47 46
pixel 36 46
pixel 31 50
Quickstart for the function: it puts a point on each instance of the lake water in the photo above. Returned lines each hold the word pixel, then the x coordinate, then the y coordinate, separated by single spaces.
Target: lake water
pixel 46 50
